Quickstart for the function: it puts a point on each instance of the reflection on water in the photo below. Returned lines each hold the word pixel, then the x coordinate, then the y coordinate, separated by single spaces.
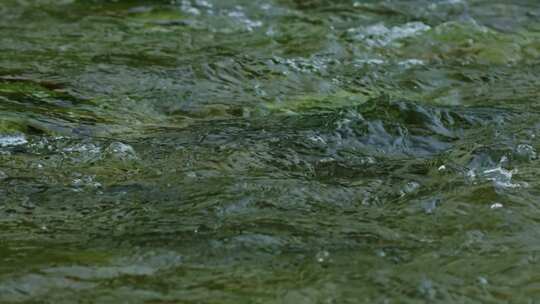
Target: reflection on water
pixel 284 151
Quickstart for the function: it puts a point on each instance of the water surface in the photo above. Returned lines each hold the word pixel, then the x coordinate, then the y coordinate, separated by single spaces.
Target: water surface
pixel 285 151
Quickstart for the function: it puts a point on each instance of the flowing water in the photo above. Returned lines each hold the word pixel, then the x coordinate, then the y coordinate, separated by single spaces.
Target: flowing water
pixel 269 151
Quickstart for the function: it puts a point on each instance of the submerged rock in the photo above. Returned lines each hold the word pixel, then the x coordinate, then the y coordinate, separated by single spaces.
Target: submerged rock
pixel 121 151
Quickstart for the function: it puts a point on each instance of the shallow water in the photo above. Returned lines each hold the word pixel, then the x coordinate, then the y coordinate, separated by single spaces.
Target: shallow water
pixel 285 151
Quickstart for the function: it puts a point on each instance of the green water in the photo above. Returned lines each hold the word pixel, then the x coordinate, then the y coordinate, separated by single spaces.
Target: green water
pixel 276 151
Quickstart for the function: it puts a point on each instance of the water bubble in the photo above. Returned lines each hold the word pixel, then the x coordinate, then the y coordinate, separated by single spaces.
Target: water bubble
pixel 322 256
pixel 496 206
pixel 482 280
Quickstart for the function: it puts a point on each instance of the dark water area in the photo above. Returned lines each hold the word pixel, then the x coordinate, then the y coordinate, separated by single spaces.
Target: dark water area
pixel 276 151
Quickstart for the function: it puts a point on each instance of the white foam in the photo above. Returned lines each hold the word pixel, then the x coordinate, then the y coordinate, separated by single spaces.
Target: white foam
pixel 410 62
pixel 241 17
pixel 380 35
pixel 187 7
pixel 203 3
pixel 361 62
pixel 496 206
pixel 305 65
pixel 12 140
pixel 502 177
